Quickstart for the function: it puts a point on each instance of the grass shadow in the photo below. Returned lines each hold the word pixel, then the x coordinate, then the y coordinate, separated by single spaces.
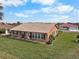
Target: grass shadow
pixel 75 41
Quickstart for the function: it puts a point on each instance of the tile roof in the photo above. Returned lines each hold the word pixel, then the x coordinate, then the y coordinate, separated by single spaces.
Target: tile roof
pixel 69 25
pixel 35 27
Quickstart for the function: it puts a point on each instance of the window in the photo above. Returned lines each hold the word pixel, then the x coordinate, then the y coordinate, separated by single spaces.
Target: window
pixel 33 35
pixel 39 35
pixel 42 36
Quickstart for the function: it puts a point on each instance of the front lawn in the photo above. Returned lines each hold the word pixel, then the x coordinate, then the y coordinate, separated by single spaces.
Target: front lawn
pixel 63 47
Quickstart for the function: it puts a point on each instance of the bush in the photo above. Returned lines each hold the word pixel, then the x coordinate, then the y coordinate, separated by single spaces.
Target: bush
pixel 77 36
pixel 2 31
pixel 77 40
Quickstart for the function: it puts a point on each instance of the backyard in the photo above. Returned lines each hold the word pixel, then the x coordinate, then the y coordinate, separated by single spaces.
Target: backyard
pixel 64 47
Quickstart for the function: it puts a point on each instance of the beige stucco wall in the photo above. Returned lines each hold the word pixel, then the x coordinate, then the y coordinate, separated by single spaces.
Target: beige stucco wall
pixel 53 31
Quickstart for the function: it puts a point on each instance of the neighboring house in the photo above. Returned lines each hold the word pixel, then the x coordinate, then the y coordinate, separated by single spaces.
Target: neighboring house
pixel 6 27
pixel 44 32
pixel 69 27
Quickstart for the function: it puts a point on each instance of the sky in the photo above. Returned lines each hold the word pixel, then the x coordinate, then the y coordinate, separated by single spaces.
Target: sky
pixel 41 10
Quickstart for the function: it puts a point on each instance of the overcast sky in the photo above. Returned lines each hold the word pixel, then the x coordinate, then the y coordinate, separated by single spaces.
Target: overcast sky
pixel 41 10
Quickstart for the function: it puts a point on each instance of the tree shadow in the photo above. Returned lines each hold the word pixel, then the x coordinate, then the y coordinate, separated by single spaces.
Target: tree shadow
pixel 13 38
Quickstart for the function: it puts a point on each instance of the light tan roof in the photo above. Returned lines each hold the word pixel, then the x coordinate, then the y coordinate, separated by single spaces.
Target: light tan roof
pixel 35 27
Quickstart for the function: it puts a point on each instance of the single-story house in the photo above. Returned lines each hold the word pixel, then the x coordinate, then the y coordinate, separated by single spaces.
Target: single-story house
pixel 69 27
pixel 35 31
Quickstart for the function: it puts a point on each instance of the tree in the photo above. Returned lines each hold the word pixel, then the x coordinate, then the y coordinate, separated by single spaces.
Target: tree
pixel 1 13
pixel 18 22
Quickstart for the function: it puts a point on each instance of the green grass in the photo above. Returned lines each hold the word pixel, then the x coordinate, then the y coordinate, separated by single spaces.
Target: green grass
pixel 63 47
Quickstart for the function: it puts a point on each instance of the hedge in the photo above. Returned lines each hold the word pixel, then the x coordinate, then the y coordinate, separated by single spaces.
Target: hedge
pixel 2 31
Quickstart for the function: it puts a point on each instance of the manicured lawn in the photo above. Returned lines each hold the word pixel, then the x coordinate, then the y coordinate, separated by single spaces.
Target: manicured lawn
pixel 63 47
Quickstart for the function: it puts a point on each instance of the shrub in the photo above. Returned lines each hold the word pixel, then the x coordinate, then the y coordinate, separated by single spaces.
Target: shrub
pixel 77 40
pixel 77 36
pixel 2 31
